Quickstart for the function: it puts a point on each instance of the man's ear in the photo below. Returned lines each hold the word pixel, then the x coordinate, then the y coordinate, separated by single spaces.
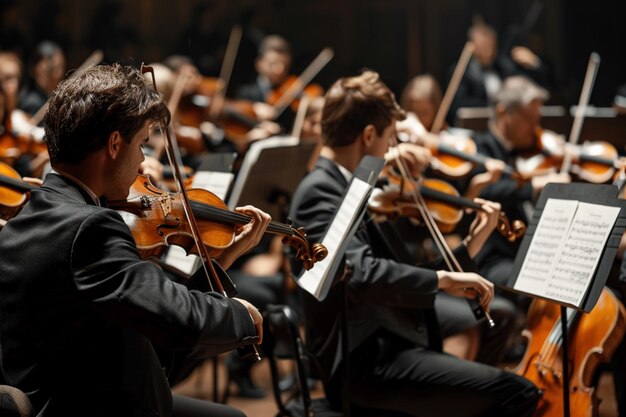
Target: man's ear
pixel 114 144
pixel 368 136
pixel 500 109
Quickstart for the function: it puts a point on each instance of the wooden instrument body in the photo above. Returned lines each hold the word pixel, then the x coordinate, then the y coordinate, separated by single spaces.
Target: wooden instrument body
pixel 592 340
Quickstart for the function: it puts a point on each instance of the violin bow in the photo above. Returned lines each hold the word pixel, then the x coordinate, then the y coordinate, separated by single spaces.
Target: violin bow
pixel 448 256
pixel 213 278
pixel 296 131
pixel 216 105
pixel 92 60
pixel 453 86
pixel 581 110
pixel 303 80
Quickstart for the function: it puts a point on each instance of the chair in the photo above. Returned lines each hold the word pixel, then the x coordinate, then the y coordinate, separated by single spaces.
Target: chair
pixel 14 403
pixel 282 340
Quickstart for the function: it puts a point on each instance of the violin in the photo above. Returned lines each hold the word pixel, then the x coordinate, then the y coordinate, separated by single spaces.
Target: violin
pixel 311 90
pixel 594 161
pixel 444 203
pixel 156 219
pixel 13 191
pixel 592 340
pixel 455 156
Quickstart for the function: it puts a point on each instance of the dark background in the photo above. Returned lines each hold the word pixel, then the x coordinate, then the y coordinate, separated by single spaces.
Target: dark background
pixel 398 38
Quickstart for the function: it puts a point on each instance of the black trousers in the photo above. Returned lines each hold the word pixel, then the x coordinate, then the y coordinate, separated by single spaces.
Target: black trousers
pixel 389 375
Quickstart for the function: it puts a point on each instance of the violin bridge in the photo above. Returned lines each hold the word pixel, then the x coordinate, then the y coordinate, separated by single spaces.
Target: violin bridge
pixel 166 204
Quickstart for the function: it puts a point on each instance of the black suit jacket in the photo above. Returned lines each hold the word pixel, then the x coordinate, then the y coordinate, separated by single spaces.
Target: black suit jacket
pixel 507 191
pixel 81 313
pixel 383 294
pixel 472 92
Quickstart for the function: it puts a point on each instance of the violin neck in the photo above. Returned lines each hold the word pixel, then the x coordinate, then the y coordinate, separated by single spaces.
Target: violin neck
pixel 207 212
pixel 15 184
pixel 433 194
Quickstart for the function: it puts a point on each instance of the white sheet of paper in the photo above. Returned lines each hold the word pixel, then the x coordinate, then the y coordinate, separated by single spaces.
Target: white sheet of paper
pixel 555 220
pixel 566 249
pixel 215 182
pixel 178 258
pixel 312 281
pixel 580 253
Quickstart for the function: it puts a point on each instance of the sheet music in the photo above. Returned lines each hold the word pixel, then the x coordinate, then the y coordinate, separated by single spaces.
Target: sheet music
pixel 316 280
pixel 178 258
pixel 216 182
pixel 565 249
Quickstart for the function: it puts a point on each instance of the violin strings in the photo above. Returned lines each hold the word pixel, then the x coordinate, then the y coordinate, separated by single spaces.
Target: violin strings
pixel 218 214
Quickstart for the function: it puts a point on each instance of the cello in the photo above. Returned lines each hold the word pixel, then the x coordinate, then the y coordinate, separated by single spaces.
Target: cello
pixel 593 338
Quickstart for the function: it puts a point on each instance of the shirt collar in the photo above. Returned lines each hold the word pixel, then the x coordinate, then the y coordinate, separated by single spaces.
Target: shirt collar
pixel 344 171
pixel 78 182
pixel 506 144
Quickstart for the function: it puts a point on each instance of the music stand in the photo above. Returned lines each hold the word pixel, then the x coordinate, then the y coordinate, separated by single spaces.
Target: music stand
pixel 604 195
pixel 270 172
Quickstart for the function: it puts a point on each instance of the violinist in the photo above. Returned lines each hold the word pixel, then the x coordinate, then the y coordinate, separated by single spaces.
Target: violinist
pixel 422 97
pixel 84 317
pixel 489 67
pixel 396 364
pixel 18 129
pixel 45 71
pixel 273 65
pixel 512 130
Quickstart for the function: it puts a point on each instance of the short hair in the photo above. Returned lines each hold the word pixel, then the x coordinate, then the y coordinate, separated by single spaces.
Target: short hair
pixel 422 87
pixel 45 50
pixel 480 27
pixel 274 43
pixel 517 92
pixel 84 110
pixel 352 103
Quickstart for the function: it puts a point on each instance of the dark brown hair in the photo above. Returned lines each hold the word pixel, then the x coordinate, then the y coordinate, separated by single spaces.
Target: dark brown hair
pixel 352 103
pixel 86 109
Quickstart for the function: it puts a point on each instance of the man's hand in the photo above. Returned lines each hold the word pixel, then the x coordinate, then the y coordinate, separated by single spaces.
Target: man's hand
pixel 415 157
pixel 247 236
pixel 483 225
pixel 525 58
pixel 257 318
pixel 468 285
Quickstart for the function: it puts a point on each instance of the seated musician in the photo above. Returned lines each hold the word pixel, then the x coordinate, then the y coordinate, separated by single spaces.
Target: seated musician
pixel 512 130
pixel 46 69
pixel 422 97
pixel 17 124
pixel 273 66
pixel 83 315
pixel 489 67
pixel 395 358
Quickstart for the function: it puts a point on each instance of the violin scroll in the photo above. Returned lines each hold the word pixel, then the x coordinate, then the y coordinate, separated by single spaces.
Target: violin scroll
pixel 305 252
pixel 511 231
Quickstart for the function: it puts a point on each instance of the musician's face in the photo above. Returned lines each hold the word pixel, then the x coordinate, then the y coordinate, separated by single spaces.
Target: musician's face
pixel 10 77
pixel 274 66
pixel 425 111
pixel 522 124
pixel 126 164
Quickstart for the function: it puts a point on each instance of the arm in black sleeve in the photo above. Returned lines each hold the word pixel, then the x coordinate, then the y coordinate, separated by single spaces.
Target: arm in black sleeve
pixel 111 277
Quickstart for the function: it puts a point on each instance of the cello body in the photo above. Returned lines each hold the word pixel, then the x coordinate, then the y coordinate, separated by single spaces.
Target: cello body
pixel 592 337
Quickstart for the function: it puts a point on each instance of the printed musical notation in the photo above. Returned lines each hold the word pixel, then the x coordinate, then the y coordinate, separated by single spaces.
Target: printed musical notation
pixel 565 250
